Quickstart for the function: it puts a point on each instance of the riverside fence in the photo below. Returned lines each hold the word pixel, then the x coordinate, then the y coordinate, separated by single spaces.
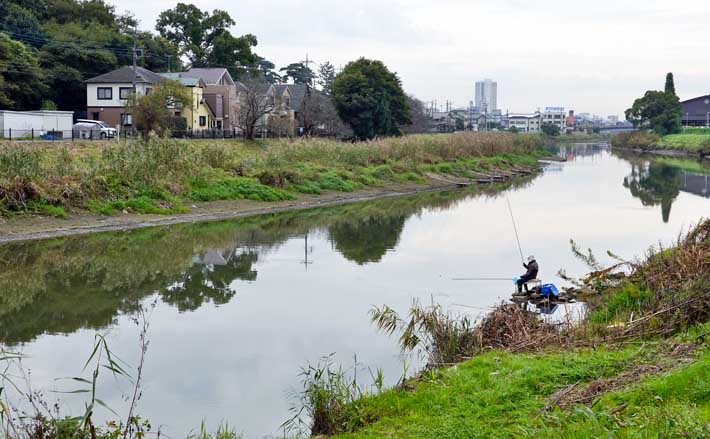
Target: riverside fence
pixel 97 134
pixel 14 135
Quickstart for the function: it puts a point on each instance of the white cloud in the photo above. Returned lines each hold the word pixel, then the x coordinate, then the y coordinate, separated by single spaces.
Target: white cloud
pixel 595 56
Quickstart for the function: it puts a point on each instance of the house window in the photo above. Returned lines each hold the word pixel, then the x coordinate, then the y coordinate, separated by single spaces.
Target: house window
pixel 126 119
pixel 203 121
pixel 104 93
pixel 125 92
pixel 148 91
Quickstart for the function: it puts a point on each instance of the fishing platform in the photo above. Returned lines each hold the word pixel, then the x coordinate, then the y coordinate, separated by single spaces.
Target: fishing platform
pixel 538 293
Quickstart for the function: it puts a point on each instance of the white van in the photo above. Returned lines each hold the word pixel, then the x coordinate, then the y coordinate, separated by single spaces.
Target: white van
pixel 93 129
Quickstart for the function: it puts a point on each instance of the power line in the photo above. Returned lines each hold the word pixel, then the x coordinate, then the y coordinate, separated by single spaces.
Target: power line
pixel 56 43
pixel 126 50
pixel 19 32
pixel 7 67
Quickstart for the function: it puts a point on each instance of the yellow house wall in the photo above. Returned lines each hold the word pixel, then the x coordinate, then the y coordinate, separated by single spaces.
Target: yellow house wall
pixel 198 109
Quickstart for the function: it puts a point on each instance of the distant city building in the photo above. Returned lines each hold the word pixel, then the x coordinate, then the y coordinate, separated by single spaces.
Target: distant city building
pixel 696 111
pixel 447 121
pixel 571 120
pixel 613 119
pixel 556 116
pixel 525 123
pixel 487 96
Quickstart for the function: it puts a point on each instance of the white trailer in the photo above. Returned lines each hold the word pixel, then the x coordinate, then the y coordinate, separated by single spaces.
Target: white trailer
pixel 28 124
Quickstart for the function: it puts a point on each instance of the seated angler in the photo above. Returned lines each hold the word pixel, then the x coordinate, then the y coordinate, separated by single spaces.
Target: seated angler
pixel 529 275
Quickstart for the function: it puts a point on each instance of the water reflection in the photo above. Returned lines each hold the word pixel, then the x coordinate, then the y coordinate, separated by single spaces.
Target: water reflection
pixel 86 282
pixel 659 181
pixel 697 184
pixel 654 184
pixel 367 240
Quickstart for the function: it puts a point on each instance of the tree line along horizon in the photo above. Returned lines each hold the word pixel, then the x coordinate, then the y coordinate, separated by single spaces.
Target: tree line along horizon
pixel 48 48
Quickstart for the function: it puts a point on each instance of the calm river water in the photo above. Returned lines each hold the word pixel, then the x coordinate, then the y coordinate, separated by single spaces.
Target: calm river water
pixel 241 306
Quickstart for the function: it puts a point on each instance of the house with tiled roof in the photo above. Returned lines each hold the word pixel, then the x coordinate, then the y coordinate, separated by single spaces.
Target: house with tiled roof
pixel 200 115
pixel 221 93
pixel 107 94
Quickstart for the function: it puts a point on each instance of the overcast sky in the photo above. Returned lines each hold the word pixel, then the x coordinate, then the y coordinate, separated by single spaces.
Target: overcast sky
pixel 593 56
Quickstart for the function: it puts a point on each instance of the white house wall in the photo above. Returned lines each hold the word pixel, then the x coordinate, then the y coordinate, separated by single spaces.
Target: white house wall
pixel 92 99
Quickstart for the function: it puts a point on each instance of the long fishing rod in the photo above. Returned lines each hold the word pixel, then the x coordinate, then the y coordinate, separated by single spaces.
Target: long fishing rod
pixel 520 249
pixel 485 308
pixel 483 278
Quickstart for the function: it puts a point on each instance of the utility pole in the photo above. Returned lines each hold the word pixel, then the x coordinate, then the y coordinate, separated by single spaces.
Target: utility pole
pixel 306 63
pixel 305 261
pixel 169 56
pixel 135 61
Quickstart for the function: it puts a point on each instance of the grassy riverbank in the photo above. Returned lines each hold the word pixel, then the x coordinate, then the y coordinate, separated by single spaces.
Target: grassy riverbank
pixel 169 176
pixel 693 142
pixel 638 390
pixel 637 366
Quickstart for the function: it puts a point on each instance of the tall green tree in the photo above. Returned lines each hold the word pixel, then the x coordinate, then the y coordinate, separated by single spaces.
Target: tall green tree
pixel 326 76
pixel 370 99
pixel 670 86
pixel 267 71
pixel 192 30
pixel 15 17
pixel 299 72
pixel 234 53
pixel 22 80
pixel 659 111
pixel 204 38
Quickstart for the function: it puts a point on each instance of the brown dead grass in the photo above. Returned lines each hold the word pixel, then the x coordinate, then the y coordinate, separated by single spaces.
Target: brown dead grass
pixel 512 328
pixel 666 358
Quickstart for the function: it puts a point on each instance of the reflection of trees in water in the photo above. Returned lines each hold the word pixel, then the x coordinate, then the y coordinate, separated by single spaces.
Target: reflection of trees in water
pixel 367 240
pixel 654 184
pixel 62 285
pixel 211 280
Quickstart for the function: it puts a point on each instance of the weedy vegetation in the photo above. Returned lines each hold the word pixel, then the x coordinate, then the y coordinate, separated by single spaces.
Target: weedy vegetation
pixel 693 142
pixel 329 401
pixel 166 176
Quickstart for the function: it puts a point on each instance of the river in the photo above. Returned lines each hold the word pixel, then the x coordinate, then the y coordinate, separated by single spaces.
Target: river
pixel 241 306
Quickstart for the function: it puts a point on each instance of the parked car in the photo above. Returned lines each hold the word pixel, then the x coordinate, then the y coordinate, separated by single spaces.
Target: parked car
pixel 93 129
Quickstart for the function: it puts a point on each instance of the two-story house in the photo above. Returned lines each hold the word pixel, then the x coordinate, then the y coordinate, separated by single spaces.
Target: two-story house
pixel 220 92
pixel 107 94
pixel 199 115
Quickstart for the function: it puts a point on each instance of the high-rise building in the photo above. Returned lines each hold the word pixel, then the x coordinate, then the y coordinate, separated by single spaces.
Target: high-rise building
pixel 487 96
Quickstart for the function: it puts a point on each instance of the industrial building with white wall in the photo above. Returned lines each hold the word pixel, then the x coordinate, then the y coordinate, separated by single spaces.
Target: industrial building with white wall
pixel 20 124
